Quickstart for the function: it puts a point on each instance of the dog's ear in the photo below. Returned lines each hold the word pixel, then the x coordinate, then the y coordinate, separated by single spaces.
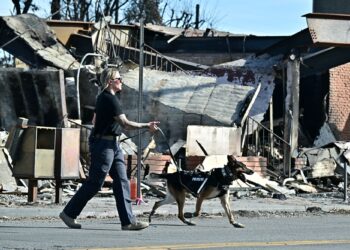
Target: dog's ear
pixel 231 159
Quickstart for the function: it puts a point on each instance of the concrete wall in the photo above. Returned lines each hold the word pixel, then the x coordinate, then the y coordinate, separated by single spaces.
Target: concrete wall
pixel 339 105
pixel 331 6
pixel 33 94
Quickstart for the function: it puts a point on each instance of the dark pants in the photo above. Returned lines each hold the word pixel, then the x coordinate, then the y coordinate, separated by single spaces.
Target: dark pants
pixel 106 157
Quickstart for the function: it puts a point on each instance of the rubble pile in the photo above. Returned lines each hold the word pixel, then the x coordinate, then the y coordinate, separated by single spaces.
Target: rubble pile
pixel 316 171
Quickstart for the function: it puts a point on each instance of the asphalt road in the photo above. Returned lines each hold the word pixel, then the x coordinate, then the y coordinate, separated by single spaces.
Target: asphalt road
pixel 297 232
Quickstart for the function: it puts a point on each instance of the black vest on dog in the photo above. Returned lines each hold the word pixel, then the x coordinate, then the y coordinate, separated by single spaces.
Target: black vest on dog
pixel 195 181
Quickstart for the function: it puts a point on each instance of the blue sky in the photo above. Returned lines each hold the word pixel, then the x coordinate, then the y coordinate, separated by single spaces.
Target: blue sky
pixel 257 17
pixel 263 17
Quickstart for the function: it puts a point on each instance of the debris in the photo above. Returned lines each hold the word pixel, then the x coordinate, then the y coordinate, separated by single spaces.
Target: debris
pixel 177 146
pixel 314 209
pixel 279 196
pixel 302 175
pixel 128 147
pixel 30 39
pixel 15 136
pixel 157 190
pixel 3 137
pixel 325 161
pixel 268 185
pixel 7 181
pixel 323 168
pixel 325 137
pixel 302 187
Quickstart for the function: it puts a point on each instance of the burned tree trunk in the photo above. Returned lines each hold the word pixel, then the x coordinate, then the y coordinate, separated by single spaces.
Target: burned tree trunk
pixel 55 9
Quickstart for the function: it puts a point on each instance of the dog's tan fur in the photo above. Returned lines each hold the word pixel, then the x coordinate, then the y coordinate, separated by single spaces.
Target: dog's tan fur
pixel 176 192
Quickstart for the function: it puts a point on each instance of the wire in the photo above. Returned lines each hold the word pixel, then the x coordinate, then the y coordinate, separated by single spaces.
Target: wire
pixel 132 136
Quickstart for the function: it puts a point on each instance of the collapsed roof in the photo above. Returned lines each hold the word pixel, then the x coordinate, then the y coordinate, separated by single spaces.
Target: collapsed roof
pixel 215 99
pixel 251 71
pixel 30 39
pixel 202 95
pixel 189 32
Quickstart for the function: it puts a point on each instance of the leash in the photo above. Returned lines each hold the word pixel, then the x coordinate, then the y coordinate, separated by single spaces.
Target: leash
pixel 127 138
pixel 171 154
pixel 179 170
pixel 80 125
pixel 88 128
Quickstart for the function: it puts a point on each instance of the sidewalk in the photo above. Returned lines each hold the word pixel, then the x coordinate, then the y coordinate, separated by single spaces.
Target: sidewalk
pixel 104 207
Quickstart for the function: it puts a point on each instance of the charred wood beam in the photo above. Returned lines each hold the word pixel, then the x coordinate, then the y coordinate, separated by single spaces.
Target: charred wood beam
pixel 324 60
pixel 301 40
pixel 291 110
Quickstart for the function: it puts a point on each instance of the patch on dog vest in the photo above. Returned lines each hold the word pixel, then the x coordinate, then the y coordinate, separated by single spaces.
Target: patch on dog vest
pixel 194 181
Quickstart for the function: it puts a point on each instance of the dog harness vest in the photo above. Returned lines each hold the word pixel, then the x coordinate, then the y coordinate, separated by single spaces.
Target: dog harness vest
pixel 195 181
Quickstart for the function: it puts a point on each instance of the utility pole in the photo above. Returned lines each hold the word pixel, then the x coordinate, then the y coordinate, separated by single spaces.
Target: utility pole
pixel 139 113
pixel 291 112
pixel 197 17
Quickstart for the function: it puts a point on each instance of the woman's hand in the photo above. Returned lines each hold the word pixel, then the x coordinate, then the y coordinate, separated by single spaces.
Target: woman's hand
pixel 153 126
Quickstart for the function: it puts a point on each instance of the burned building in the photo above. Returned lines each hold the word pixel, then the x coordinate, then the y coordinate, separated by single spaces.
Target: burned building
pixel 283 93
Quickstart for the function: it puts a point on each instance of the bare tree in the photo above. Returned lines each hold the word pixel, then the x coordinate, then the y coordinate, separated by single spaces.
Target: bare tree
pixel 27 4
pixel 6 60
pixel 137 8
pixel 109 8
pixel 55 9
pixel 78 10
pixel 182 14
pixel 87 10
pixel 179 13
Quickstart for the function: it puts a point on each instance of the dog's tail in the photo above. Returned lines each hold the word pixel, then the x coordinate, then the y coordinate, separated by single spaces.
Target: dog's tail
pixel 158 176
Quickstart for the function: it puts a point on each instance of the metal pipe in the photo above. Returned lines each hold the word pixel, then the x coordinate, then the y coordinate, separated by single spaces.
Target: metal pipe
pixel 197 17
pixel 271 128
pixel 264 127
pixel 78 76
pixel 125 45
pixel 156 61
pixel 345 182
pixel 139 113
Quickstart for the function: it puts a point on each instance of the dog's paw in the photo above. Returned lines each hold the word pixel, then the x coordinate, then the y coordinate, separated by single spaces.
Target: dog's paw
pixel 190 223
pixel 238 225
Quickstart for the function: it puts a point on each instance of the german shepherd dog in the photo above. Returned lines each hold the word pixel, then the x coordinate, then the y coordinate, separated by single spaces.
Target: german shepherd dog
pixel 202 185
